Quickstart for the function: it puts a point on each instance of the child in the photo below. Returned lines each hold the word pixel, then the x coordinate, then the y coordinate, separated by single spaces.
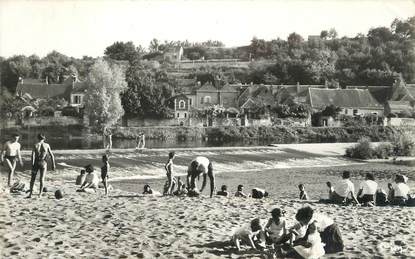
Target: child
pixel 81 178
pixel 104 173
pixel 239 192
pixel 248 233
pixel 169 173
pixel 166 186
pixel 223 191
pixel 147 189
pixel 181 189
pixel 276 227
pixel 258 193
pixel 303 193
pixel 311 248
pixel 331 190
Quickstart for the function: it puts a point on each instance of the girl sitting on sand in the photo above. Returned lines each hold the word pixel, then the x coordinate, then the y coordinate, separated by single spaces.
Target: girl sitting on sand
pixel 400 192
pixel 104 173
pixel 275 229
pixel 303 193
pixel 240 192
pixel 147 189
pixel 248 234
pixel 312 248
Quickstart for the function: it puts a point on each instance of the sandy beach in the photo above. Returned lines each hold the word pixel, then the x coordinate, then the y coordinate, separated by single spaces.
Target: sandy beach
pixel 129 225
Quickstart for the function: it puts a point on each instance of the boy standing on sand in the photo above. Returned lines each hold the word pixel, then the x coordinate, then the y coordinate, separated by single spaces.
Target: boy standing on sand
pixel 169 173
pixel 9 153
pixel 39 155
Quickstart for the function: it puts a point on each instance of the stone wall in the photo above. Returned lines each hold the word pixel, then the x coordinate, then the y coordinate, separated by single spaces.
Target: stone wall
pixel 45 121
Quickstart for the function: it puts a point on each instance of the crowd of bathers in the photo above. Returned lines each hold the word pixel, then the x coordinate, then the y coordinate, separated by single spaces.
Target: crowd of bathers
pixel 312 235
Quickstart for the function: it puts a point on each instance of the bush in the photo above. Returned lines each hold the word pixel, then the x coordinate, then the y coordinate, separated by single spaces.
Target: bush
pixel 383 151
pixel 363 150
pixel 403 145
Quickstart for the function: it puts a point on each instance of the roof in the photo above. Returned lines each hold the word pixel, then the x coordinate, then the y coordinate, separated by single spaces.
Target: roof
pixel 399 105
pixel 208 87
pixel 229 88
pixel 42 90
pixel 348 98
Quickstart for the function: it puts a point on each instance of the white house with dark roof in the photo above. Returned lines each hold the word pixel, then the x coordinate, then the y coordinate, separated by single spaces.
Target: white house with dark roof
pixel 353 102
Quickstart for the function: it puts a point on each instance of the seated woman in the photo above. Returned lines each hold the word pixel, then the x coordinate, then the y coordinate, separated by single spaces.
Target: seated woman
pixel 400 193
pixel 329 232
pixel 91 180
pixel 367 190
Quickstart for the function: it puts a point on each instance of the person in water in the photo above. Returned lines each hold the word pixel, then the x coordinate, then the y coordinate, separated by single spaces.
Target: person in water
pixel 40 152
pixel 9 154
pixel 104 172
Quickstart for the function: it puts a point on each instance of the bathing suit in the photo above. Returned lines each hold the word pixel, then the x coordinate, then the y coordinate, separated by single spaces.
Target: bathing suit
pixel 104 172
pixel 40 159
pixel 12 159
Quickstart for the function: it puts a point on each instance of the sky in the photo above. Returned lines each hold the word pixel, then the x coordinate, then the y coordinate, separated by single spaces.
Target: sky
pixel 87 27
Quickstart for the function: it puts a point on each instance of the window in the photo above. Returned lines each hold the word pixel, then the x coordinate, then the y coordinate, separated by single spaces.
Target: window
pixel 201 100
pixel 190 101
pixel 346 111
pixel 355 111
pixel 206 99
pixel 185 115
pixel 77 99
pixel 178 115
pixel 182 104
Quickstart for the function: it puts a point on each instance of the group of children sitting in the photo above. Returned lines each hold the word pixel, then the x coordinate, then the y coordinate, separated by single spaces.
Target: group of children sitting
pixel 302 240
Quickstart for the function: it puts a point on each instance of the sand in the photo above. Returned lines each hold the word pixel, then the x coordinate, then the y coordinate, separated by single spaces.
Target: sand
pixel 129 225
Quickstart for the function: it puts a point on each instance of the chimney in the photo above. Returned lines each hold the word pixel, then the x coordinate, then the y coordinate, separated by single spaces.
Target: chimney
pixel 298 87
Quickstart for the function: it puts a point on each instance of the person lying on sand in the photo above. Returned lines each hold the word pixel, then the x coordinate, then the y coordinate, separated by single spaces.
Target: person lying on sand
pixel 311 248
pixel 223 191
pixel 249 234
pixel 329 232
pixel 303 193
pixel 258 193
pixel 367 190
pixel 80 179
pixel 343 190
pixel 91 180
pixel 400 193
pixel 240 192
pixel 275 229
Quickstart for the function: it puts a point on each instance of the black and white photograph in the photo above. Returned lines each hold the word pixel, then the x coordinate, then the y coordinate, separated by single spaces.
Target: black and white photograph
pixel 207 129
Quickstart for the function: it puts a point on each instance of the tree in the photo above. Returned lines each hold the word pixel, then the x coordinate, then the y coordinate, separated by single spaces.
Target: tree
pixel 122 51
pixel 102 99
pixel 295 40
pixel 332 34
pixel 154 45
pixel 324 34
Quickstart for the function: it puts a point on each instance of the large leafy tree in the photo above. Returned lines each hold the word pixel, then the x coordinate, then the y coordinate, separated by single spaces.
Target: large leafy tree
pixel 102 99
pixel 123 51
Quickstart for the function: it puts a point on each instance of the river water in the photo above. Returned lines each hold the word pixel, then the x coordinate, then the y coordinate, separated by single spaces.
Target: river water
pixel 75 137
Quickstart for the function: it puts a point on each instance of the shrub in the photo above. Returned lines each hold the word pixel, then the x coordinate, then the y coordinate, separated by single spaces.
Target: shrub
pixel 403 145
pixel 363 150
pixel 383 151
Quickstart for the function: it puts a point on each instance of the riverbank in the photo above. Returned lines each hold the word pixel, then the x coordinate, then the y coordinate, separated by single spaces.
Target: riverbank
pixel 129 225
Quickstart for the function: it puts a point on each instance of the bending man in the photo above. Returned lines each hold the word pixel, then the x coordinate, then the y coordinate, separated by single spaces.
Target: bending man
pixel 200 165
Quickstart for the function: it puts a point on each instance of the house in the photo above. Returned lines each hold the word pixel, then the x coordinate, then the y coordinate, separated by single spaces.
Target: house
pixel 398 107
pixel 182 106
pixel 71 89
pixel 353 102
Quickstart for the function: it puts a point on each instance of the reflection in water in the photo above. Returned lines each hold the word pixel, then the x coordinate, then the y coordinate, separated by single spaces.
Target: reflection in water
pixel 75 137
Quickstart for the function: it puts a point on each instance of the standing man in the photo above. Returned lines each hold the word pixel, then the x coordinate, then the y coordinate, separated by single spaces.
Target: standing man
pixel 39 155
pixel 9 153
